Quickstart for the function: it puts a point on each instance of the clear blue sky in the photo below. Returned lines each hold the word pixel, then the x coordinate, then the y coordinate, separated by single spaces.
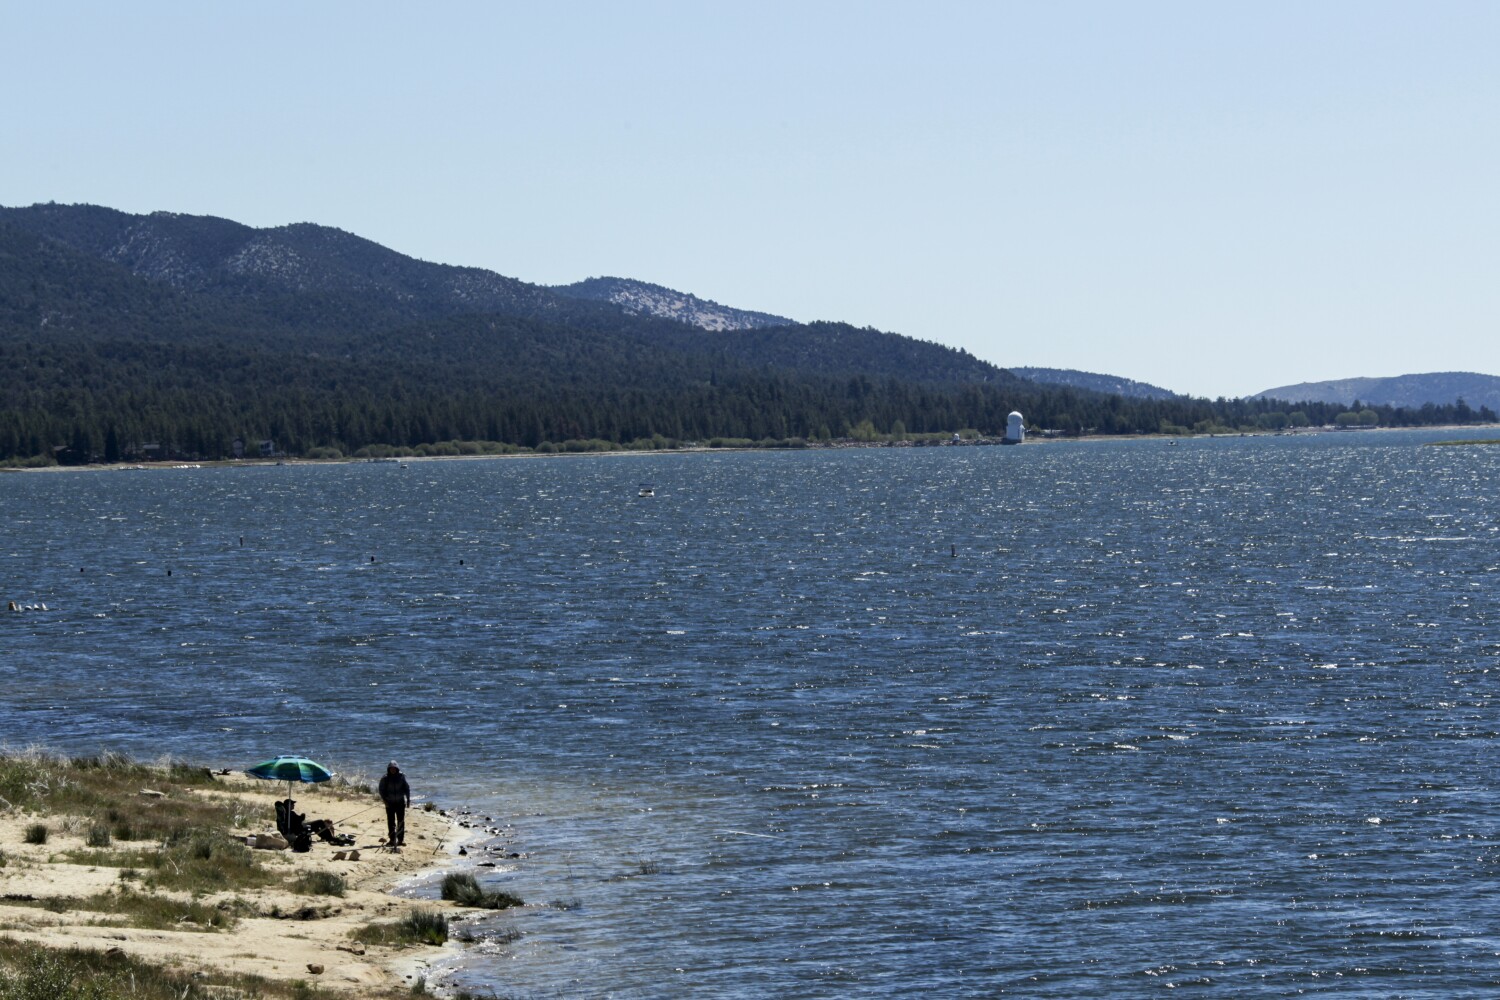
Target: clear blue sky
pixel 1215 197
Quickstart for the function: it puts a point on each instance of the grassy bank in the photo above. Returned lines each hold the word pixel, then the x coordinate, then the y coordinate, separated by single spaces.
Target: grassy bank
pixel 35 972
pixel 124 879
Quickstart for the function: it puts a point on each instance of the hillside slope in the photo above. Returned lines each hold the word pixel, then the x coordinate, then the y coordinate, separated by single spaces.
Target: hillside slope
pixel 316 288
pixel 1111 384
pixel 222 258
pixel 642 298
pixel 1413 391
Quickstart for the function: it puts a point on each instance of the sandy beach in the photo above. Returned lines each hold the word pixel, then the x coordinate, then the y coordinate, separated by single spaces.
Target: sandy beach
pixel 51 892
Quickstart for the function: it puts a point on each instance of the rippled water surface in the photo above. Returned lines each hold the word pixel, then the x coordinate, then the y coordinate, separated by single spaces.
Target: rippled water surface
pixel 1081 719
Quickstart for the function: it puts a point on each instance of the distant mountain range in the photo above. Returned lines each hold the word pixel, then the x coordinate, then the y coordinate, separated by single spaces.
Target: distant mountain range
pixel 126 335
pixel 1411 391
pixel 1111 384
pixel 640 298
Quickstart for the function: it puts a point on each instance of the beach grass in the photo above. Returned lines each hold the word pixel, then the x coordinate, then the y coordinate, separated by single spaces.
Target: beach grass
pixel 190 860
pixel 463 889
pixel 134 801
pixel 135 909
pixel 199 860
pixel 31 972
pixel 120 800
pixel 320 884
pixel 417 927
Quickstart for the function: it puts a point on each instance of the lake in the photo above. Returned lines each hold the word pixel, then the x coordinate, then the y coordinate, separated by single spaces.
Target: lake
pixel 1090 718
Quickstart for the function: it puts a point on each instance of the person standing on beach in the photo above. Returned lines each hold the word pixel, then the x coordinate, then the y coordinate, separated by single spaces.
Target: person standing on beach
pixel 396 794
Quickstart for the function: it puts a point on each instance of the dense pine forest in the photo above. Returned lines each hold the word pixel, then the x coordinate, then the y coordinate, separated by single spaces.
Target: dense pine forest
pixel 132 337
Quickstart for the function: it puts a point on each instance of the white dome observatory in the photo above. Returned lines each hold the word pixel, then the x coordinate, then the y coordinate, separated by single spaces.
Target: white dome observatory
pixel 1015 428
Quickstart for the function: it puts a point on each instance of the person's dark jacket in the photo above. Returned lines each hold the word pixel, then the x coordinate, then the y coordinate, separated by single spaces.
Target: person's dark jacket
pixel 394 789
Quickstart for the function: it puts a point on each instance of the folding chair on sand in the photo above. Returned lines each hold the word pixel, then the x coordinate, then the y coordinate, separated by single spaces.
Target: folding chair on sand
pixel 293 826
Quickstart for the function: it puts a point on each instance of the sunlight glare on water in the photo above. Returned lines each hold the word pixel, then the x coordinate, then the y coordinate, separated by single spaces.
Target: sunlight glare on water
pixel 1074 719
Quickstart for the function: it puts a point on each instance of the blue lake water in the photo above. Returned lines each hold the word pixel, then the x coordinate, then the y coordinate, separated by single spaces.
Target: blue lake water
pixel 1074 719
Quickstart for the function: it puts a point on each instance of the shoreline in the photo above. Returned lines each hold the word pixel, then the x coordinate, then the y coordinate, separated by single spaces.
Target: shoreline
pixel 842 445
pixel 70 891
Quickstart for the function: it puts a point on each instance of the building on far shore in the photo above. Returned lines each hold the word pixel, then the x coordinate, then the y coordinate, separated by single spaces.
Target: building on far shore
pixel 1015 428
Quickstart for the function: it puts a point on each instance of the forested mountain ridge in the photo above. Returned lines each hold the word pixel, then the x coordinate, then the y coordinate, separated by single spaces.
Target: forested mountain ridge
pixel 220 257
pixel 1113 385
pixel 1399 390
pixel 151 336
pixel 639 297
pixel 309 286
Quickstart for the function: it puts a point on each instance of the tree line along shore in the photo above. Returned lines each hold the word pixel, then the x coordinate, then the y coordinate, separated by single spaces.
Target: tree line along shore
pixel 769 414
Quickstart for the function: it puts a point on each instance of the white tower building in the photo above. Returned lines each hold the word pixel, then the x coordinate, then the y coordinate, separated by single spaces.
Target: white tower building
pixel 1015 428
